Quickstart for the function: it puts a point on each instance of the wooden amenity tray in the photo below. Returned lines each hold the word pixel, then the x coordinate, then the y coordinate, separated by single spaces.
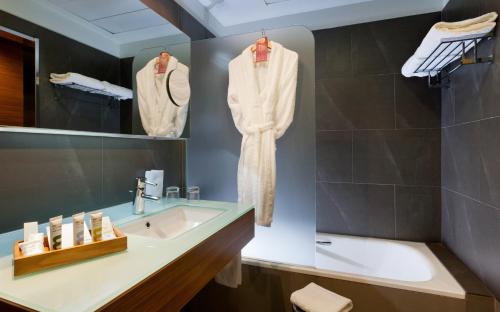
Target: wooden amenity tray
pixel 54 258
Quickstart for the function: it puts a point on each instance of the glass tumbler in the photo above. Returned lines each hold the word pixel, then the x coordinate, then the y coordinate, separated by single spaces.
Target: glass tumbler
pixel 193 193
pixel 173 193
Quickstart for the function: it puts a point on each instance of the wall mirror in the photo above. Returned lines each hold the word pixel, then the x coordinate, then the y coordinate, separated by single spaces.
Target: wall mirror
pixel 98 67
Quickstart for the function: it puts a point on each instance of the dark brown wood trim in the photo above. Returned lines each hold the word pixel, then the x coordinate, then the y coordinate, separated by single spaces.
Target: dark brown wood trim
pixel 9 306
pixel 171 287
pixel 180 18
pixel 167 9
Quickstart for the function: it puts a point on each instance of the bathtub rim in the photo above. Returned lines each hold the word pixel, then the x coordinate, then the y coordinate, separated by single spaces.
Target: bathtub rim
pixel 453 291
pixel 346 277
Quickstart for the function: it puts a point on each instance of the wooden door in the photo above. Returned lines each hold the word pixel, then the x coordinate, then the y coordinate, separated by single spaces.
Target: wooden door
pixel 11 83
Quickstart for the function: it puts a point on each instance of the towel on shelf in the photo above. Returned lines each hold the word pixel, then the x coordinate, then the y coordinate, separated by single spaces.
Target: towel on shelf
pixel 120 92
pixel 314 298
pixel 446 53
pixel 74 78
pixel 88 84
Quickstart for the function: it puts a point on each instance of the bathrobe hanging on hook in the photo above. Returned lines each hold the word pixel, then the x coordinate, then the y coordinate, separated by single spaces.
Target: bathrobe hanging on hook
pixel 261 97
pixel 160 116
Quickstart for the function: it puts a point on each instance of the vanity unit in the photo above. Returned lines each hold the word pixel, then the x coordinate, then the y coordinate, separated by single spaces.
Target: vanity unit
pixel 174 250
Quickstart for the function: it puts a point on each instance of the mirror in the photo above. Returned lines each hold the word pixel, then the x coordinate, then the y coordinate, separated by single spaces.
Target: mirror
pixel 169 121
pixel 114 67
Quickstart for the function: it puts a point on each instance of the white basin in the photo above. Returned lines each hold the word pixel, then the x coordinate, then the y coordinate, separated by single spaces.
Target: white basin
pixel 171 223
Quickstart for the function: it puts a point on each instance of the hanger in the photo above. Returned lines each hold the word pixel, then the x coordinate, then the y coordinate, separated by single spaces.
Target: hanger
pixel 262 40
pixel 162 62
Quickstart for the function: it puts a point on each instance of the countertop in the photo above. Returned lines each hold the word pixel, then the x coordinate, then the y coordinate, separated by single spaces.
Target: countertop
pixel 88 285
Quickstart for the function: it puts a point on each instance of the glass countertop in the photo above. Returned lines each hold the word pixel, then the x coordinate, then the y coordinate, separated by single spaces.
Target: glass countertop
pixel 90 284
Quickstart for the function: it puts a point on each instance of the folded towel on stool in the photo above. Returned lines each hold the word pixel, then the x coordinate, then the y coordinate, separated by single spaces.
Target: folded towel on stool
pixel 314 298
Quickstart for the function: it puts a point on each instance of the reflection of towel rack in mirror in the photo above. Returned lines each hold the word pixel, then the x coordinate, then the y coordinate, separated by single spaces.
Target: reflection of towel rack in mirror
pixel 90 85
pixel 449 51
pixel 89 90
pixel 86 89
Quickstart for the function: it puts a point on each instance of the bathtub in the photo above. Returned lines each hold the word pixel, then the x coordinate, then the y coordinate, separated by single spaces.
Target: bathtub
pixel 397 264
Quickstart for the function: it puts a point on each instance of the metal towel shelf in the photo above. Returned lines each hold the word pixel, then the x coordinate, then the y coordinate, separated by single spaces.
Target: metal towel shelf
pixel 88 89
pixel 447 53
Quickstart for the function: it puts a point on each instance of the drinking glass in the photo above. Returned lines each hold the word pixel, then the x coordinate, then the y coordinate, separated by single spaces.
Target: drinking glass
pixel 172 192
pixel 193 193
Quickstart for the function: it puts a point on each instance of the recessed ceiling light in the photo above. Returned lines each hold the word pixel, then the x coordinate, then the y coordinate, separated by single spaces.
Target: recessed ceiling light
pixel 205 3
pixel 269 2
pixel 208 4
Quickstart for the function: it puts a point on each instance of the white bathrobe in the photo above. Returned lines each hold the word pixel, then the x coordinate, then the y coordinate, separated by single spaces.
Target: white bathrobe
pixel 261 97
pixel 159 116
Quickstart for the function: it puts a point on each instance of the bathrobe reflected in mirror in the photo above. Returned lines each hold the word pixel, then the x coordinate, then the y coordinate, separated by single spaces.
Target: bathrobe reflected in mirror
pixel 261 97
pixel 159 115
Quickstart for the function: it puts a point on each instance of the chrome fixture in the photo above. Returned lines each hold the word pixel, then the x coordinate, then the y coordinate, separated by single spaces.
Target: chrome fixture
pixel 324 242
pixel 140 196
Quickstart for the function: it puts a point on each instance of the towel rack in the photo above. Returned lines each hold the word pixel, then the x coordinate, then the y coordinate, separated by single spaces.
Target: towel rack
pixel 88 89
pixel 449 51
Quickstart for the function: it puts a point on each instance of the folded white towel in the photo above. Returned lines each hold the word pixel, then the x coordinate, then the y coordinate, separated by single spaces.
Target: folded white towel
pixel 314 298
pixel 120 92
pixel 231 274
pixel 81 82
pixel 443 31
pixel 70 78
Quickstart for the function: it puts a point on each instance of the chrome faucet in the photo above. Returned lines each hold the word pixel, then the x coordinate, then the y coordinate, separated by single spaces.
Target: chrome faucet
pixel 140 196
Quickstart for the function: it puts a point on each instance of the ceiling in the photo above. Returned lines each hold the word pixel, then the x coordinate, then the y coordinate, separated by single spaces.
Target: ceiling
pixel 226 17
pixel 122 27
pixel 234 12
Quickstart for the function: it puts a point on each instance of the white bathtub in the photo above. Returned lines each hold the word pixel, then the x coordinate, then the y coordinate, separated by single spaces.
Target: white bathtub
pixel 397 264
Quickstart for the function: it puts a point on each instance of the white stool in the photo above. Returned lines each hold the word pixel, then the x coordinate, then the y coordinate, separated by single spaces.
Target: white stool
pixel 314 298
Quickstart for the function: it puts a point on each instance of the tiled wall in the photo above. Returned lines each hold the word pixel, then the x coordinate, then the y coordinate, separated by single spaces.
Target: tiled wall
pixel 471 156
pixel 378 134
pixel 47 175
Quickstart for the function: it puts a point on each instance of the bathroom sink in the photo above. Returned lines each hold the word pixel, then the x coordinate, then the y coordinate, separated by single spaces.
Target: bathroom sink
pixel 171 223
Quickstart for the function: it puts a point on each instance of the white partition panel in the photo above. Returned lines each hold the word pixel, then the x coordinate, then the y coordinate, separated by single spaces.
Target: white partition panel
pixel 214 146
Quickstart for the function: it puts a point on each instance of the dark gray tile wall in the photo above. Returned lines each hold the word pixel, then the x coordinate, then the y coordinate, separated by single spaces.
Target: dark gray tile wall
pixel 378 134
pixel 47 175
pixel 471 156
